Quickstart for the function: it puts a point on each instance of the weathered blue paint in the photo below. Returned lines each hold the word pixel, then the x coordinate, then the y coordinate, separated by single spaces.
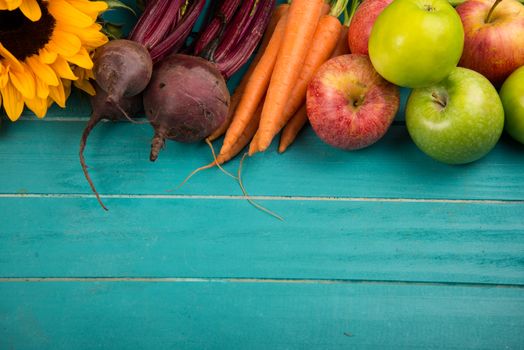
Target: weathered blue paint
pixel 382 248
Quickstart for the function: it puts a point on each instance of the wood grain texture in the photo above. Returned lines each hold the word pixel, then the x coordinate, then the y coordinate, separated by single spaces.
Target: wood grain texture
pixel 70 237
pixel 42 157
pixel 258 316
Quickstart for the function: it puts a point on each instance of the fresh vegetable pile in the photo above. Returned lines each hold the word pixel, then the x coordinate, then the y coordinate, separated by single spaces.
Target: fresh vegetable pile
pixel 307 65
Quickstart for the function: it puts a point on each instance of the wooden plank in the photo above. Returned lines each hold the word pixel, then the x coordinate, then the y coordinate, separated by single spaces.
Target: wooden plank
pixel 42 157
pixel 71 237
pixel 97 315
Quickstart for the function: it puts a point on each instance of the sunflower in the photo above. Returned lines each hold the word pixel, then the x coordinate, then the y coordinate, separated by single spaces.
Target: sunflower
pixel 44 45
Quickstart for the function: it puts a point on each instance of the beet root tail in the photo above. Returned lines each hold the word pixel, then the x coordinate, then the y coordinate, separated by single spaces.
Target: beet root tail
pixel 89 127
pixel 157 144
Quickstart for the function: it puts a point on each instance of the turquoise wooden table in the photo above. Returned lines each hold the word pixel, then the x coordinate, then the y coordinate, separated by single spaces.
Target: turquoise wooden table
pixel 381 248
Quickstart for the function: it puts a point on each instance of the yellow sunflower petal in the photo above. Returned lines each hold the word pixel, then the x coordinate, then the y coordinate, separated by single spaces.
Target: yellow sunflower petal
pixel 90 8
pixel 81 59
pixel 86 86
pixel 13 4
pixel 67 88
pixel 89 74
pixel 11 60
pixel 64 12
pixel 58 94
pixel 63 70
pixel 23 81
pixel 38 106
pixel 42 71
pixel 13 101
pixel 3 5
pixel 47 56
pixel 64 43
pixel 42 89
pixel 91 36
pixel 31 10
pixel 4 76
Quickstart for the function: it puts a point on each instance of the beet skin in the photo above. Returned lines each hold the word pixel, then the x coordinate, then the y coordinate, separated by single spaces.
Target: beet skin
pixel 122 68
pixel 186 100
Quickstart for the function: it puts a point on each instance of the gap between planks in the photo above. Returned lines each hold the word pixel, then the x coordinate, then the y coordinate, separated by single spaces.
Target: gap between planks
pixel 254 280
pixel 263 198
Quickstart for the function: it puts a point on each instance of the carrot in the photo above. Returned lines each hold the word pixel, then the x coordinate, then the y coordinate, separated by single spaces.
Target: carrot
pixel 256 87
pixel 342 47
pixel 243 139
pixel 239 91
pixel 237 147
pixel 325 40
pixel 235 99
pixel 303 18
pixel 290 132
pixel 297 122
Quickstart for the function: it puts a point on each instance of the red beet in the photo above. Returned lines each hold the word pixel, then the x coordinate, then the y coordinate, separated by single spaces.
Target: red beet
pixel 186 100
pixel 122 68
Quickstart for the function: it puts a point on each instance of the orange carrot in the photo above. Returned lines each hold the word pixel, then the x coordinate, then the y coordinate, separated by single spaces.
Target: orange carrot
pixel 233 104
pixel 243 139
pixel 239 91
pixel 256 87
pixel 342 47
pixel 290 132
pixel 236 148
pixel 297 122
pixel 325 40
pixel 303 18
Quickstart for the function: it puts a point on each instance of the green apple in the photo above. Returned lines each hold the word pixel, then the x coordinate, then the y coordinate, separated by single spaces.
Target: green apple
pixel 416 43
pixel 512 96
pixel 457 120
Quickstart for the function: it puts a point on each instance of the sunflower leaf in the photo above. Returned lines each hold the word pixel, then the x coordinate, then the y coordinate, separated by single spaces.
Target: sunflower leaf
pixel 117 4
pixel 112 30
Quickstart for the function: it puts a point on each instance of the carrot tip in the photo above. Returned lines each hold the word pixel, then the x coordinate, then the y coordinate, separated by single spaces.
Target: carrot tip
pixel 253 148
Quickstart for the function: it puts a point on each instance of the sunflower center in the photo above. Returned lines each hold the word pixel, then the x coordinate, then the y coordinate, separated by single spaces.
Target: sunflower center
pixel 21 36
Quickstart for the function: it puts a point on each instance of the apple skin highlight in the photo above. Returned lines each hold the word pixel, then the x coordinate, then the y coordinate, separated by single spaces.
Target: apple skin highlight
pixel 349 105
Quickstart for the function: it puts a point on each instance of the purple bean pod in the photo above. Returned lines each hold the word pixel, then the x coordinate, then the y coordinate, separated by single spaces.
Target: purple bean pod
pixel 230 63
pixel 222 16
pixel 174 41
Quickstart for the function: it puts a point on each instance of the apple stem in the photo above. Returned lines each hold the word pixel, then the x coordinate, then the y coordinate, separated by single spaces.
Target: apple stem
pixel 438 99
pixel 492 9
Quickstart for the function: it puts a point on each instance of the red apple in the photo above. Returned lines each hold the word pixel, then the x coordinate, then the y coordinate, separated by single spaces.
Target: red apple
pixel 493 46
pixel 349 105
pixel 362 22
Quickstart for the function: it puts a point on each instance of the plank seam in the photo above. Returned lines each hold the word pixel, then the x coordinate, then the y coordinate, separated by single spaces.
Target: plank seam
pixel 254 280
pixel 263 198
